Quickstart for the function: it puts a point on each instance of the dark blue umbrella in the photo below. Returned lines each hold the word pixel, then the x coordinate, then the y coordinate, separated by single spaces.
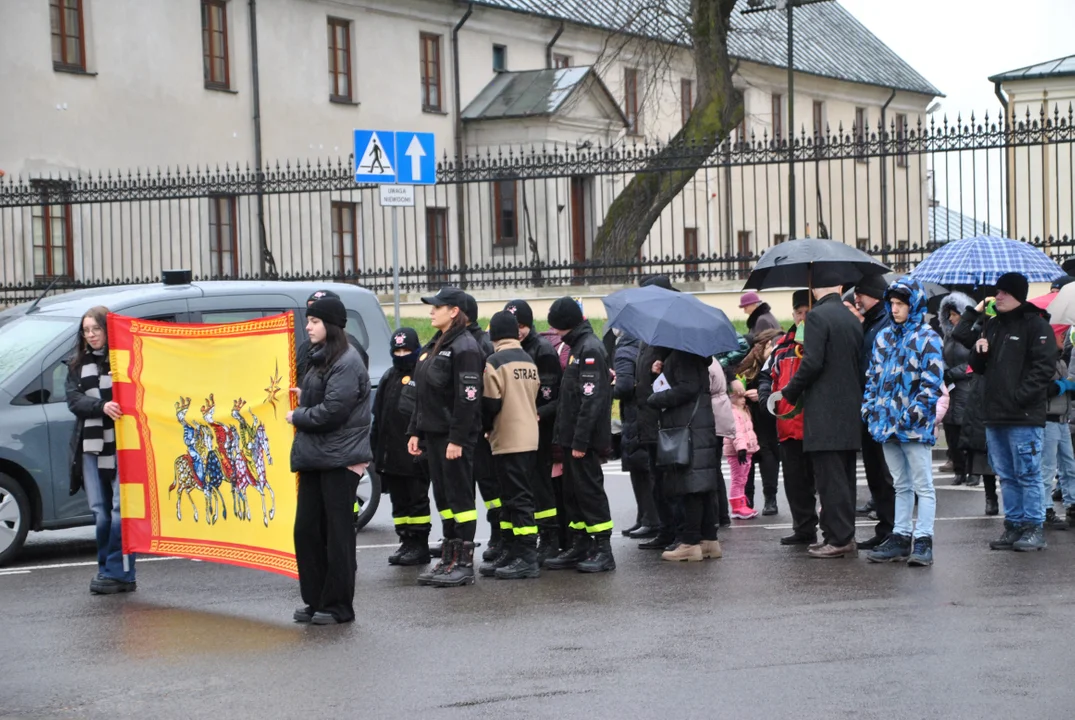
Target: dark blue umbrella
pixel 669 319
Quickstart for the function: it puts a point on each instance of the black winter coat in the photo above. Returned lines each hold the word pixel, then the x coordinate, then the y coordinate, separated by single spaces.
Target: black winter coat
pixel 550 374
pixel 956 358
pixel 583 421
pixel 483 453
pixel 449 389
pixel 393 406
pixel 688 402
pixel 633 454
pixel 828 378
pixel 302 356
pixel 82 406
pixel 332 421
pixel 1019 366
pixel 647 416
pixel 874 321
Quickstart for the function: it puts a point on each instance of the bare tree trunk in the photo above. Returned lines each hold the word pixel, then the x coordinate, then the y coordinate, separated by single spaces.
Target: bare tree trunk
pixel 718 109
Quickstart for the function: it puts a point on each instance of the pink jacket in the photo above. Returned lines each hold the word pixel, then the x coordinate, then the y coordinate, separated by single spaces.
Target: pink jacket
pixel 745 439
pixel 942 408
pixel 723 419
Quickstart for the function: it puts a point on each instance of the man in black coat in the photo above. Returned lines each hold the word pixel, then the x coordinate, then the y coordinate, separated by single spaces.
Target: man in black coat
pixel 826 381
pixel 869 297
pixel 634 457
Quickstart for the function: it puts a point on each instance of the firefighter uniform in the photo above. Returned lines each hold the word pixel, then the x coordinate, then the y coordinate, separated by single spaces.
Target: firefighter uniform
pixel 447 411
pixel 509 411
pixel 583 425
pixel 405 478
pixel 550 374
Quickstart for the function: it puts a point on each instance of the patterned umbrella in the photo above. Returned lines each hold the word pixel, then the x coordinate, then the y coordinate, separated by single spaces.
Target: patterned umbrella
pixel 981 260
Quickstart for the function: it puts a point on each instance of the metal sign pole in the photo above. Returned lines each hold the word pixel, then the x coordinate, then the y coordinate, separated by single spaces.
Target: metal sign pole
pixel 395 263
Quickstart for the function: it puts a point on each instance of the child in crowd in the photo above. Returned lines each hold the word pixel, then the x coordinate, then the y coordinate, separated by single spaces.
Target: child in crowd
pixel 740 452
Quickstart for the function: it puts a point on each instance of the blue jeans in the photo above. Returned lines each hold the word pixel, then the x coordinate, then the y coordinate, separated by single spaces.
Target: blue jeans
pixel 104 502
pixel 911 466
pixel 1015 454
pixel 1057 451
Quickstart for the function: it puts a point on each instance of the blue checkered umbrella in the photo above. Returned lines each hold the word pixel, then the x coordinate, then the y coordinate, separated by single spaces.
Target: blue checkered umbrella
pixel 981 260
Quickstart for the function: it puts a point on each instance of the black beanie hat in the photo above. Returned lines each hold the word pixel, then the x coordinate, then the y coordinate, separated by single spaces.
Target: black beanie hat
pixel 565 314
pixel 503 326
pixel 522 312
pixel 1014 284
pixel 406 338
pixel 872 286
pixel 318 294
pixel 800 298
pixel 328 310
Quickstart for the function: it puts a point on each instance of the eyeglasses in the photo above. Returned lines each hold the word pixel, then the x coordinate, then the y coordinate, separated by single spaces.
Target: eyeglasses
pixel 92 331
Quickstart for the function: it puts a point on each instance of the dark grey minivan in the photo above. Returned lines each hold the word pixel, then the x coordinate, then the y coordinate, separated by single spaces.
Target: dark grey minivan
pixel 35 342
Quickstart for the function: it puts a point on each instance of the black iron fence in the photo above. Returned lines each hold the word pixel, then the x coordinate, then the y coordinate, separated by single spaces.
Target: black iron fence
pixel 528 217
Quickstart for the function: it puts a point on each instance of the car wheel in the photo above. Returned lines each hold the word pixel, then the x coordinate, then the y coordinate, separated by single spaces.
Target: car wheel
pixel 367 498
pixel 14 518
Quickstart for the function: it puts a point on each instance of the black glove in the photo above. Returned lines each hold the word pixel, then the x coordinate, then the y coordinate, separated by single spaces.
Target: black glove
pixel 742 457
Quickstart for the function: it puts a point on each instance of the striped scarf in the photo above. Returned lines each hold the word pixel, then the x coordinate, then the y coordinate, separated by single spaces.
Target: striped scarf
pixel 99 434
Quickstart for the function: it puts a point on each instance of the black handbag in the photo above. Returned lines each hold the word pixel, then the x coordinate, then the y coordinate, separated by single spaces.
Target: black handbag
pixel 675 448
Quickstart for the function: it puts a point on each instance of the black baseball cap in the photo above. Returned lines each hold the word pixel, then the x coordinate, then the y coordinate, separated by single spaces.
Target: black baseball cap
pixel 450 296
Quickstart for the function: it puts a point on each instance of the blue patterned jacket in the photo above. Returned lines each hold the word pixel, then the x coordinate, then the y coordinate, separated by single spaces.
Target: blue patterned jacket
pixel 905 376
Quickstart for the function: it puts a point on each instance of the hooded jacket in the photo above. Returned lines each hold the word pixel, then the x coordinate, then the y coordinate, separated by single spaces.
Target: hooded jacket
pixel 956 357
pixel 1018 367
pixel 903 384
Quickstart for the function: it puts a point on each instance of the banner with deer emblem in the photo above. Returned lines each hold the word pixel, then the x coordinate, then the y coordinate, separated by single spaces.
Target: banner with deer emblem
pixel 204 449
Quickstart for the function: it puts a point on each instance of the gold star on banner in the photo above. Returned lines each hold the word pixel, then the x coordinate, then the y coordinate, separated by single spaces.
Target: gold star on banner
pixel 274 389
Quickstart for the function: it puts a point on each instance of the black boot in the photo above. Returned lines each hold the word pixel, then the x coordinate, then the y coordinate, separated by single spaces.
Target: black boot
pixel 504 557
pixel 446 558
pixel 404 546
pixel 436 548
pixel 992 507
pixel 570 558
pixel 1012 532
pixel 601 560
pixel 770 506
pixel 1054 521
pixel 548 545
pixel 417 553
pixel 496 536
pixel 973 481
pixel 662 541
pixel 523 563
pixel 960 480
pixel 461 570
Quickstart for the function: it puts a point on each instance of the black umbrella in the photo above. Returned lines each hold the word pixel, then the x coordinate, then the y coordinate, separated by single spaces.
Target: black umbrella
pixel 794 263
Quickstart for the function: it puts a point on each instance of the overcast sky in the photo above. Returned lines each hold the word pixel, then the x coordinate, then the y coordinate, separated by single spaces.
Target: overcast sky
pixel 958 44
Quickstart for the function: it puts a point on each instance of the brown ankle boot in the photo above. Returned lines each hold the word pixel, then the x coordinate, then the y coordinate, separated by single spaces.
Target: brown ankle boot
pixel 711 550
pixel 683 553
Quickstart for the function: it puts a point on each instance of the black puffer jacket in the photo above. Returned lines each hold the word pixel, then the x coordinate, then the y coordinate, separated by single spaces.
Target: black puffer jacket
pixel 956 358
pixel 634 455
pixel 644 377
pixel 688 402
pixel 1018 368
pixel 333 417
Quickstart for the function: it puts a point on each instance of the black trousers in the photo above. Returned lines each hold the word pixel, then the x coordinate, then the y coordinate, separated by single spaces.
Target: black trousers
pixel 515 473
pixel 544 490
pixel 799 488
pixel 665 512
pixel 880 481
pixel 325 541
pixel 410 502
pixel 488 485
pixel 453 488
pixel 767 462
pixel 699 518
pixel 834 473
pixel 642 485
pixel 584 494
pixel 957 456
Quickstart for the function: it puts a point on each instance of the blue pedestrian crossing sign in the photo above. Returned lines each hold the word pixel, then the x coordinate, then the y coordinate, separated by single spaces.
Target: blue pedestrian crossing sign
pixel 396 158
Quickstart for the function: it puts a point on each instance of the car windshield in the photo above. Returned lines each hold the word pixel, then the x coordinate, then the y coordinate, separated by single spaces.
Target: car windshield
pixel 23 338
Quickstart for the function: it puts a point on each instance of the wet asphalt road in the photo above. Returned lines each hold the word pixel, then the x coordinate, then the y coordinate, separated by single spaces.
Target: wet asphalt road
pixel 764 633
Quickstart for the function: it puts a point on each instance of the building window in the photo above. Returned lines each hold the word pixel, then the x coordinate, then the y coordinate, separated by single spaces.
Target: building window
pixel 500 58
pixel 431 100
pixel 861 133
pixel 630 101
pixel 778 117
pixel 686 99
pixel 339 59
pixel 901 140
pixel 437 245
pixel 741 133
pixel 819 126
pixel 52 241
pixel 505 214
pixel 779 238
pixel 561 61
pixel 68 36
pixel 344 238
pixel 690 251
pixel 223 253
pixel 215 44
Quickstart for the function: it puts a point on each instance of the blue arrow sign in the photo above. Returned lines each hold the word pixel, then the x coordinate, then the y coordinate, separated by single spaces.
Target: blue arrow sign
pixel 416 160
